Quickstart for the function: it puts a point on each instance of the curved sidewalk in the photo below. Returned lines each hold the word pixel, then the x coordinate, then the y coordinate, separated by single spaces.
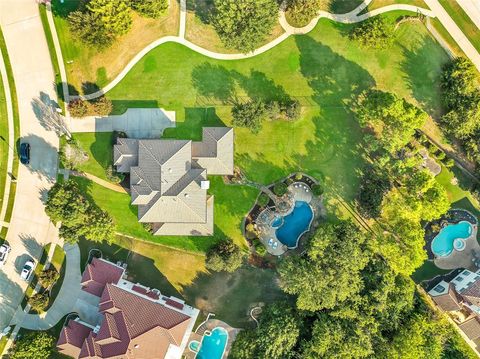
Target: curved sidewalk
pixel 350 17
pixel 66 298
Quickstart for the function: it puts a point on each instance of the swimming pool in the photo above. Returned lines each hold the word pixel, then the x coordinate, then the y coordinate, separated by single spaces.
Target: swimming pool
pixel 295 224
pixel 451 237
pixel 213 344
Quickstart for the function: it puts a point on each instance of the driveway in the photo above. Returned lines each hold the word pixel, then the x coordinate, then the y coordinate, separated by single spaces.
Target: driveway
pixel 135 122
pixel 30 228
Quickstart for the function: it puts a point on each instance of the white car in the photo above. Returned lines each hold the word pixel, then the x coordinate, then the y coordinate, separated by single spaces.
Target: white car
pixel 4 250
pixel 27 270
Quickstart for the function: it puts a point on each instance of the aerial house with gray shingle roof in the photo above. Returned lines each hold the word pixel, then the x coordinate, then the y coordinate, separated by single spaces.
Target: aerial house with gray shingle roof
pixel 168 179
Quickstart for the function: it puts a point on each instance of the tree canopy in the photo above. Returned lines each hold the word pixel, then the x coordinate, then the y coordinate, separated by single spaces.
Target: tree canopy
pixel 33 345
pixel 79 217
pixel 392 120
pixel 330 271
pixel 150 8
pixel 373 33
pixel 302 11
pixel 113 14
pixel 224 256
pixel 244 24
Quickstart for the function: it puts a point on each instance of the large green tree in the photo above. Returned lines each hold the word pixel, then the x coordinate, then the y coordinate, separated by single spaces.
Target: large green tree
pixel 244 24
pixel 392 120
pixel 113 14
pixel 330 270
pixel 33 345
pixel 89 28
pixel 302 11
pixel 374 33
pixel 150 8
pixel 224 256
pixel 79 217
pixel 250 114
pixel 275 338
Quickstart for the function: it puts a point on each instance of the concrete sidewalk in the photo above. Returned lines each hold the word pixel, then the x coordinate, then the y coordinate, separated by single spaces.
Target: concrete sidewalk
pixel 136 122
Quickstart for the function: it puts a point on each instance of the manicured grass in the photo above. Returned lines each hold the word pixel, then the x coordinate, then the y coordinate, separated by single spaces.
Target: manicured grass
pixel 324 72
pixel 3 143
pixel 199 31
pixel 231 204
pixel 463 21
pixel 53 55
pixel 88 68
pixel 184 275
pixel 376 4
pixel 99 147
pixel 427 271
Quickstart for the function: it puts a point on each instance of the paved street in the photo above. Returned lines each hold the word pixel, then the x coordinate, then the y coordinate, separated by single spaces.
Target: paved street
pixel 30 227
pixel 472 8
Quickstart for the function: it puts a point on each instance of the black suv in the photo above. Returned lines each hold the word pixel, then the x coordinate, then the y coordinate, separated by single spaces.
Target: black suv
pixel 25 153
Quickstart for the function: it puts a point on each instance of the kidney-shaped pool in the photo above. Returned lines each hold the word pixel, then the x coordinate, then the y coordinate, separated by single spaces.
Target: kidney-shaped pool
pixel 295 224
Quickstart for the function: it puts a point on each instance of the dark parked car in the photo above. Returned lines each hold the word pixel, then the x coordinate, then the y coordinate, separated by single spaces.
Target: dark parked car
pixel 25 153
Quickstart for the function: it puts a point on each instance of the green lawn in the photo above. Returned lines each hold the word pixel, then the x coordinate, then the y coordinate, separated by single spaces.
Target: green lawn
pixel 463 21
pixel 3 143
pixel 99 147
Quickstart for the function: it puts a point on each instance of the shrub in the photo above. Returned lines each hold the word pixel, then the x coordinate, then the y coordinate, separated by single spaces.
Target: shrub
pixel 224 256
pixel 280 189
pixel 101 106
pixel 449 163
pixel 291 109
pixel 33 345
pixel 48 277
pixel 259 247
pixel 298 176
pixel 38 301
pixel 113 176
pixel 150 8
pixel 263 199
pixel 78 108
pixel 317 189
pixel 373 33
pixel 441 155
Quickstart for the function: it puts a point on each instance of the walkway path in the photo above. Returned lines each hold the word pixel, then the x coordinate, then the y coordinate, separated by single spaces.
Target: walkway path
pixel 11 138
pixel 30 228
pixel 66 298
pixel 183 18
pixel 101 182
pixel 472 9
pixel 350 17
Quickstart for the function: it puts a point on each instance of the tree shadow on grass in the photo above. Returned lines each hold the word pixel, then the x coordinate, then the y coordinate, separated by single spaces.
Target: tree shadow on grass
pixel 195 119
pixel 422 72
pixel 202 8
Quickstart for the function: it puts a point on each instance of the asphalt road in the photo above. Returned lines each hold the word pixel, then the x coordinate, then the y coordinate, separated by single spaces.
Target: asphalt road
pixel 30 228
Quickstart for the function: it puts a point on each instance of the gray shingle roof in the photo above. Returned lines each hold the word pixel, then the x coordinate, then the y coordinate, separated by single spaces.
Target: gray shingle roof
pixel 166 176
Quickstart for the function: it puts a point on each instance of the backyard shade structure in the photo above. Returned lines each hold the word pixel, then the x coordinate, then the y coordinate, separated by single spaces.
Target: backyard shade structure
pixel 168 179
pixel 137 322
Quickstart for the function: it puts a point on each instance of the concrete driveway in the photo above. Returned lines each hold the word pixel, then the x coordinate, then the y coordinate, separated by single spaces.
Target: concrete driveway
pixel 30 228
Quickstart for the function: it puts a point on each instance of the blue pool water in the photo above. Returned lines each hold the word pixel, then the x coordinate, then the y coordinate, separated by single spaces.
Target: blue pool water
pixel 213 345
pixel 295 224
pixel 442 244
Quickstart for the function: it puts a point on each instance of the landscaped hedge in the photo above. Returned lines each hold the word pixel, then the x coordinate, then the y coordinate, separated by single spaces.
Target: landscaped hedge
pixel 280 189
pixel 263 199
pixel 317 189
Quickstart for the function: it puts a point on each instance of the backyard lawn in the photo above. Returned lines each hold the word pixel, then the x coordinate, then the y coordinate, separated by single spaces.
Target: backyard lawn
pixel 3 143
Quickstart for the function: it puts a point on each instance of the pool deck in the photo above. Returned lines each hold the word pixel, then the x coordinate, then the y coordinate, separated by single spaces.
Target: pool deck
pixel 209 325
pixel 464 258
pixel 300 192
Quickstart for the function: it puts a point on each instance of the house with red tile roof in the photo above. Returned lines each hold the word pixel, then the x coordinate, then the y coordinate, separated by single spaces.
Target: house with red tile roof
pixel 137 322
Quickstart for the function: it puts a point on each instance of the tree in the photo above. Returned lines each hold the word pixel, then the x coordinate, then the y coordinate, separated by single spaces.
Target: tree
pixel 48 277
pixel 280 189
pixel 302 11
pixel 244 24
pixel 392 120
pixel 72 154
pixel 150 8
pixel 330 270
pixel 89 28
pixel 101 106
pixel 224 256
pixel 113 14
pixel 33 345
pixel 38 301
pixel 275 337
pixel 79 217
pixel 460 84
pixel 250 115
pixel 374 185
pixel 78 108
pixel 373 33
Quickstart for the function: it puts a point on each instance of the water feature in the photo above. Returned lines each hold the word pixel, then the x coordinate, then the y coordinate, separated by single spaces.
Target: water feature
pixel 451 237
pixel 213 344
pixel 295 224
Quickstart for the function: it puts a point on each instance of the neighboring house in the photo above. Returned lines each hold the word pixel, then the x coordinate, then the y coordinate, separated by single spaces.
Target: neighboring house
pixel 137 322
pixel 168 179
pixel 460 296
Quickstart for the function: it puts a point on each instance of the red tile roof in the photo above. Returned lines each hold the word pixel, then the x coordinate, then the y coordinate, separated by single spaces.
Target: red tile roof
pixel 72 337
pixel 98 273
pixel 145 291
